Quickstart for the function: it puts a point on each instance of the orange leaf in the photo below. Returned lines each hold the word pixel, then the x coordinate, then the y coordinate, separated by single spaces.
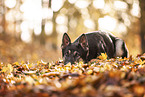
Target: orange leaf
pixel 103 56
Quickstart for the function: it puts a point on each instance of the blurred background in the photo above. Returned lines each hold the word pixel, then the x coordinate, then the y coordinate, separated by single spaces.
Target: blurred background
pixel 31 30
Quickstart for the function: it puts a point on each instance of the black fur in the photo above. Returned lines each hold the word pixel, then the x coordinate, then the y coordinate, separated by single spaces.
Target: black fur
pixel 90 45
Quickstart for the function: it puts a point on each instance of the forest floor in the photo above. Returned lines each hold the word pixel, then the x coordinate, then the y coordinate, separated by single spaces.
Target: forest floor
pixel 42 77
pixel 12 50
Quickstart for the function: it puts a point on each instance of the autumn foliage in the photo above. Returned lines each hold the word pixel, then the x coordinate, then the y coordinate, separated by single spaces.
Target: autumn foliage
pixel 100 77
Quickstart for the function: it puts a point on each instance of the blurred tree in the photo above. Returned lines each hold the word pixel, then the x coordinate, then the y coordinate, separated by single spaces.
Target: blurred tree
pixel 142 21
pixel 29 19
pixel 2 16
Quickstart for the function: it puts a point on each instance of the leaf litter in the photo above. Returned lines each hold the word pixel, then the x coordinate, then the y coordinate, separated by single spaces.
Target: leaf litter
pixel 98 78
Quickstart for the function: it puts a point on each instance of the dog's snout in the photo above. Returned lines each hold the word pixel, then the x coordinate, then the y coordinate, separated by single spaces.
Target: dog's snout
pixel 68 59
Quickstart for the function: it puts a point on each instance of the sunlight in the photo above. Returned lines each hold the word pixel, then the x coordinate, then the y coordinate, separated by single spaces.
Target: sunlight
pixel 10 16
pixel 47 13
pixel 18 30
pixel 24 26
pixel 10 3
pixel 107 9
pixel 82 3
pixel 120 5
pixel 73 22
pixel 72 1
pixel 98 4
pixel 37 30
pixel 121 28
pixel 61 19
pixel 61 28
pixel 56 5
pixel 32 18
pixel 26 37
pixel 136 9
pixel 32 11
pixel 89 24
pixel 48 28
pixel 126 19
pixel 85 13
pixel 107 23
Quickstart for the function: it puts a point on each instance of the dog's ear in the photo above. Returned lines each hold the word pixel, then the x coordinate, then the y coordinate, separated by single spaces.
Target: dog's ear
pixel 65 40
pixel 84 42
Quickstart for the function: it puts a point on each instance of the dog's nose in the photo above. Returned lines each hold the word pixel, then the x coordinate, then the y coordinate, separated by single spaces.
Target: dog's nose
pixel 68 62
pixel 65 63
pixel 70 59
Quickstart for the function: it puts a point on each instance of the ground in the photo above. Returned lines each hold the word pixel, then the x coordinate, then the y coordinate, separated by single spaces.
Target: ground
pixel 100 77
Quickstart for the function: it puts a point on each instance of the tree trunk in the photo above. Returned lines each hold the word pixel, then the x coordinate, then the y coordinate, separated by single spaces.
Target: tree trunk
pixel 3 16
pixel 142 21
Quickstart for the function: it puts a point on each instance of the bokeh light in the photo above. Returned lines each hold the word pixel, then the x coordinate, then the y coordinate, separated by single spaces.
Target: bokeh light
pixel 28 18
pixel 47 13
pixel 48 28
pixel 120 5
pixel 72 1
pixel 73 22
pixel 136 9
pixel 10 3
pixel 10 16
pixel 98 4
pixel 105 22
pixel 26 37
pixel 37 30
pixel 121 28
pixel 61 28
pixel 82 3
pixel 89 24
pixel 56 5
pixel 61 19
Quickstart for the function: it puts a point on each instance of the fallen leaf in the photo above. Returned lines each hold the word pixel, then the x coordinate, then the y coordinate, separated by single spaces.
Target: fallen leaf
pixel 103 56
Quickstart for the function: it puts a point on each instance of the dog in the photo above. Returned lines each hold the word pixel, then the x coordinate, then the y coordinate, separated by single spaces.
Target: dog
pixel 90 45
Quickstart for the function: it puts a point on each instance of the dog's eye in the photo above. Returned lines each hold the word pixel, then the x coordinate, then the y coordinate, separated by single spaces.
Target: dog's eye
pixel 68 52
pixel 76 53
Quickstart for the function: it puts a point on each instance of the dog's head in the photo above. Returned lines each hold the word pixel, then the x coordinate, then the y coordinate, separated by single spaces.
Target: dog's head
pixel 72 52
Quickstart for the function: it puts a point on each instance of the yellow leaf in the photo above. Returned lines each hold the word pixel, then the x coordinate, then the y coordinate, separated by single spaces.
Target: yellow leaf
pixel 4 69
pixel 80 64
pixel 103 56
pixel 16 63
pixel 38 62
pixel 22 62
pixel 30 80
pixel 10 68
pixel 90 71
pixel 37 83
pixel 7 69
pixel 68 64
pixel 142 62
pixel 49 65
pixel 107 67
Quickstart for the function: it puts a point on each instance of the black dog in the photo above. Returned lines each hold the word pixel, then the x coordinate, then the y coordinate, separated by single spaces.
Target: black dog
pixel 90 45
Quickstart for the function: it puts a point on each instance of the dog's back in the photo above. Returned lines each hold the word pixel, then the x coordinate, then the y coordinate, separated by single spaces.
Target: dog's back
pixel 99 42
